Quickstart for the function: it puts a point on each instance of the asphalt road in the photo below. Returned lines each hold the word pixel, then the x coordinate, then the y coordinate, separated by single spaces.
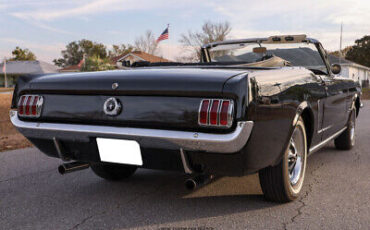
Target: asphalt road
pixel 34 196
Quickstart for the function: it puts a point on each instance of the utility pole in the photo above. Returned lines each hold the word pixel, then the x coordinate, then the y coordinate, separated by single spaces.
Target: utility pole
pixel 340 44
pixel 5 77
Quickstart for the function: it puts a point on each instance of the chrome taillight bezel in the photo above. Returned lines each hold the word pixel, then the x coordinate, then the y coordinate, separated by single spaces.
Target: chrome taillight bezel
pixel 230 113
pixel 22 103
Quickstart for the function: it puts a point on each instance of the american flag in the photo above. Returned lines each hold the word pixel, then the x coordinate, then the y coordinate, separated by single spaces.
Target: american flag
pixel 163 36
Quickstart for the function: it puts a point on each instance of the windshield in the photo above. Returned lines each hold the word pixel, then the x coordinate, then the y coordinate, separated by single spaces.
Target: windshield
pixel 255 54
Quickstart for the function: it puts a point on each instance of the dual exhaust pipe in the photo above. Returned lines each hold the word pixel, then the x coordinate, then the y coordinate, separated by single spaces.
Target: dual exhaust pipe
pixel 72 167
pixel 191 183
pixel 198 181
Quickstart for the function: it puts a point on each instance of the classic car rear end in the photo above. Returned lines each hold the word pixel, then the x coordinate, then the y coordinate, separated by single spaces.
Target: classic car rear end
pixel 217 117
pixel 166 112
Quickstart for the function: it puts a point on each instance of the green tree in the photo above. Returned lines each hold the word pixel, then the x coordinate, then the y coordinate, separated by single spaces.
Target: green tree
pixel 360 52
pixel 20 54
pixel 211 32
pixel 75 51
pixel 120 49
pixel 344 52
pixel 96 63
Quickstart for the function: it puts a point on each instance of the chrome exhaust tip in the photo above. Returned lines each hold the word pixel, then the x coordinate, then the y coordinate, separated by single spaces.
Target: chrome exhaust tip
pixel 72 167
pixel 197 181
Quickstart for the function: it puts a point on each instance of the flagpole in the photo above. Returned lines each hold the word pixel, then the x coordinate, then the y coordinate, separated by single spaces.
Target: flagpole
pixel 169 43
pixel 5 77
pixel 340 44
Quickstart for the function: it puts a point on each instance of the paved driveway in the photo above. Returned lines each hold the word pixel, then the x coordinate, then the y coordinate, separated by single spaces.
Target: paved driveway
pixel 34 196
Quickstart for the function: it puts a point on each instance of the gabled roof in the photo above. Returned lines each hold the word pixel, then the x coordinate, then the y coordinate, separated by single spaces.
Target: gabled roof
pixel 28 67
pixel 71 68
pixel 140 55
pixel 336 60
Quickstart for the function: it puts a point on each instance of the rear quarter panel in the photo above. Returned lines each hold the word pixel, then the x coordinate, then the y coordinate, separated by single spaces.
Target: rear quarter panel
pixel 276 97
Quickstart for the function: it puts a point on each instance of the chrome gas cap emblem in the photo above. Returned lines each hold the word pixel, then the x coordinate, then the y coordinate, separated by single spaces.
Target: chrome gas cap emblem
pixel 112 107
pixel 115 85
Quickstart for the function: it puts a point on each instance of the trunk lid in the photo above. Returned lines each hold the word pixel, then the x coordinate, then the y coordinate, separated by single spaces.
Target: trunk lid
pixel 148 81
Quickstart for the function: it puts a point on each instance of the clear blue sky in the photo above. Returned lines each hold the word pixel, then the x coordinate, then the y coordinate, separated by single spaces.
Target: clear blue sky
pixel 46 26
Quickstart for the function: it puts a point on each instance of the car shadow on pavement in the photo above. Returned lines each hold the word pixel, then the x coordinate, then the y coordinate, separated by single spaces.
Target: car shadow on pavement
pixel 152 199
pixel 156 198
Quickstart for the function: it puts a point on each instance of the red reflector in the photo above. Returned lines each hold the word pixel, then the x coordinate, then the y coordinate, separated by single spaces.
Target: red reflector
pixel 204 112
pixel 34 103
pixel 20 106
pixel 213 113
pixel 28 105
pixel 224 112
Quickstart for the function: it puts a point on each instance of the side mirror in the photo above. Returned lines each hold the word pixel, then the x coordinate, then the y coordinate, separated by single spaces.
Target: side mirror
pixel 335 69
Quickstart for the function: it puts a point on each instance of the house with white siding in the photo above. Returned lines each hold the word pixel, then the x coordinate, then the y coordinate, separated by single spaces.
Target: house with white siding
pixel 352 70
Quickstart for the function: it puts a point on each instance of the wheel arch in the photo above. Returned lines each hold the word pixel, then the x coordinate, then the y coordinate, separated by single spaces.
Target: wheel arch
pixel 357 105
pixel 308 119
pixel 304 110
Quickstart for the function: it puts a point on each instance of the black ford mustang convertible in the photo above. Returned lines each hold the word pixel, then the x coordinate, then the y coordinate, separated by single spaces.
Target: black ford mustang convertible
pixel 251 105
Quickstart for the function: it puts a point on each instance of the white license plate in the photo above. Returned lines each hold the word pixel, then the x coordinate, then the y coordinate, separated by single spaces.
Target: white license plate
pixel 119 151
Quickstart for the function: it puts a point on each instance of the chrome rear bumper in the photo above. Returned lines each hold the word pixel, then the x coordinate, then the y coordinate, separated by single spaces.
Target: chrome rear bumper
pixel 150 138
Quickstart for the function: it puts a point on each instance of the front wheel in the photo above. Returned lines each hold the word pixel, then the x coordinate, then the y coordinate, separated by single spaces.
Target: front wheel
pixel 283 182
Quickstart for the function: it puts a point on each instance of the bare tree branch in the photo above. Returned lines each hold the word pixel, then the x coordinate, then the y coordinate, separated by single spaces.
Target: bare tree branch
pixel 147 43
pixel 211 32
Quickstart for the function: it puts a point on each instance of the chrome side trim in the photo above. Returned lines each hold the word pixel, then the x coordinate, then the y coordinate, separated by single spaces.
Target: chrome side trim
pixel 324 129
pixel 321 144
pixel 189 141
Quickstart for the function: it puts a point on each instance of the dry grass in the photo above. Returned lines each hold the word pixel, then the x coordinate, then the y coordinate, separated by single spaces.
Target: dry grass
pixel 10 138
pixel 366 93
pixel 6 89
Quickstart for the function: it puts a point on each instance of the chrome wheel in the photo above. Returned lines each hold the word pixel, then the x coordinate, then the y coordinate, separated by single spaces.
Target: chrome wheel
pixel 283 182
pixel 353 135
pixel 352 129
pixel 296 156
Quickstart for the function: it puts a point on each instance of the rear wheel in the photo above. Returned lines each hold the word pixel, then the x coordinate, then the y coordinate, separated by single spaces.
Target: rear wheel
pixel 347 139
pixel 283 182
pixel 113 172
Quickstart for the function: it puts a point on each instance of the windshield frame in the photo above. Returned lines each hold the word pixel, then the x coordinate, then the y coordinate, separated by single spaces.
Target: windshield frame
pixel 206 56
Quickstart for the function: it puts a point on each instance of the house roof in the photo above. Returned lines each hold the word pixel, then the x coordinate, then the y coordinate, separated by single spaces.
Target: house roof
pixel 71 68
pixel 336 60
pixel 140 55
pixel 28 67
pixel 117 58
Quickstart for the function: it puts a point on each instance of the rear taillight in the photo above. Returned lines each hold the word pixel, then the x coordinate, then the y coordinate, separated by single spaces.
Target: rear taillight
pixel 216 112
pixel 30 106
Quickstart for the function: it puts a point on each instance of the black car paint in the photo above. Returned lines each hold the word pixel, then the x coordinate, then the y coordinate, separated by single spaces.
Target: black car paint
pixel 272 104
pixel 150 81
